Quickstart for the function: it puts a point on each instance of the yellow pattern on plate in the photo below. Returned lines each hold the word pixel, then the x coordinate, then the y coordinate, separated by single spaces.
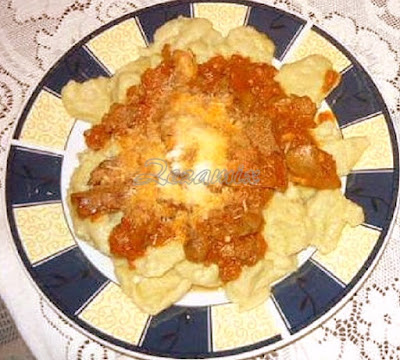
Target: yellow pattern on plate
pixel 379 153
pixel 224 17
pixel 354 247
pixel 118 45
pixel 313 43
pixel 114 313
pixel 48 123
pixel 43 230
pixel 232 329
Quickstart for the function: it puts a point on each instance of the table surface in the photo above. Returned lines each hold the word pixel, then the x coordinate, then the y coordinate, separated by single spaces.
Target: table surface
pixel 34 34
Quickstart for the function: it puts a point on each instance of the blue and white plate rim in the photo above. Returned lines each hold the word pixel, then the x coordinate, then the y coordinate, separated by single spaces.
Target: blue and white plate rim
pixel 285 341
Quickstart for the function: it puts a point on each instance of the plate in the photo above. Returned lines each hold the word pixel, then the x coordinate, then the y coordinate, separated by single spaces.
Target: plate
pixel 79 281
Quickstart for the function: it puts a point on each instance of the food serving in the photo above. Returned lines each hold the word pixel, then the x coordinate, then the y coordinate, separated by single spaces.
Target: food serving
pixel 208 166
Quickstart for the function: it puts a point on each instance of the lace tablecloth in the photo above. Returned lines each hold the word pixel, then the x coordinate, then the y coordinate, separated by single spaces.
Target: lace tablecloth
pixel 34 34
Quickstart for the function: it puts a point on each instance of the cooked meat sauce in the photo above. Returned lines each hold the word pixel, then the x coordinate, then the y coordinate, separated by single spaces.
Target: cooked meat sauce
pixel 267 132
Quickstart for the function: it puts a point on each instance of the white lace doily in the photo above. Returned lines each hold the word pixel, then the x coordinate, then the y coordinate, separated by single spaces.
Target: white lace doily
pixel 33 34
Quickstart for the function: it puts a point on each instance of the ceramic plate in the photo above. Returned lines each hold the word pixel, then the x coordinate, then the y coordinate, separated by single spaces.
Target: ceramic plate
pixel 80 282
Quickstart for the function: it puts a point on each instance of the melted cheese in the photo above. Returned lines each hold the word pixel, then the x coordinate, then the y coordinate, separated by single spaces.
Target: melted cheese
pixel 200 146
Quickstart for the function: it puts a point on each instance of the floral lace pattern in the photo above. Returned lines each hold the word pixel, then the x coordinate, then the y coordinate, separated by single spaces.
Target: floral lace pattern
pixel 35 34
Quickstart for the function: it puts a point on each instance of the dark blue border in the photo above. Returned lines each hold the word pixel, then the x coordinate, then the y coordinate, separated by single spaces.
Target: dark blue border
pixel 305 294
pixel 125 345
pixel 34 176
pixel 395 152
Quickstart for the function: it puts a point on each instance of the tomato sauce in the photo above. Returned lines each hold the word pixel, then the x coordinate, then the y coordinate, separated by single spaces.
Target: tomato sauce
pixel 272 136
pixel 325 116
pixel 130 238
pixel 331 79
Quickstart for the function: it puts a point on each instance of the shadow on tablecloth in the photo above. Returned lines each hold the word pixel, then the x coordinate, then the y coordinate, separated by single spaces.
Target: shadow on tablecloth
pixel 12 347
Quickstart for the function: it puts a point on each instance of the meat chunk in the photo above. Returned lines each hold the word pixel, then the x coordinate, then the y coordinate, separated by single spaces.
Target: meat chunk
pixel 249 248
pixel 292 117
pixel 185 66
pixel 237 221
pixel 98 200
pixel 97 137
pixel 261 136
pixel 197 247
pixel 311 166
pixel 259 169
pixel 107 172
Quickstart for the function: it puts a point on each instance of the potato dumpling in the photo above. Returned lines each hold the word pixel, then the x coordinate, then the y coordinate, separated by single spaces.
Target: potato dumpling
pixel 308 77
pixel 89 100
